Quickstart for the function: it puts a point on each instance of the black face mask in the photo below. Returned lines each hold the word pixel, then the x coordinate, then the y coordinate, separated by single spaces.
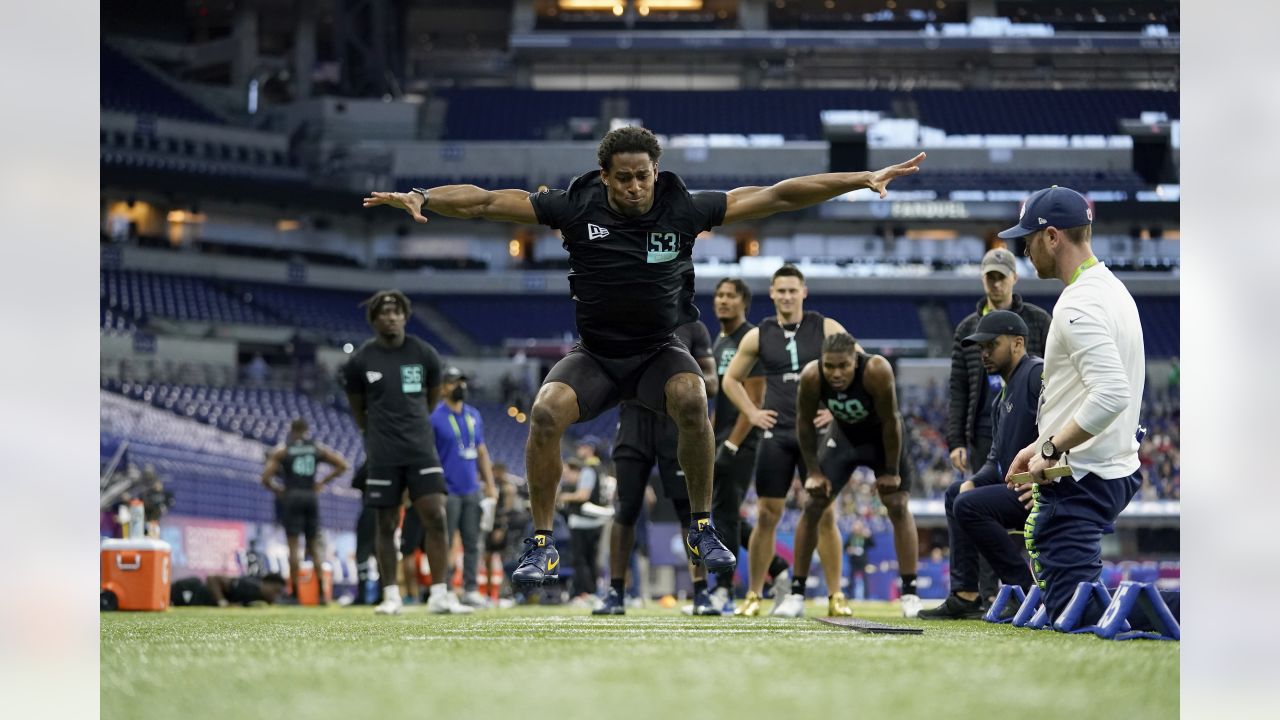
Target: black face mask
pixel 459 393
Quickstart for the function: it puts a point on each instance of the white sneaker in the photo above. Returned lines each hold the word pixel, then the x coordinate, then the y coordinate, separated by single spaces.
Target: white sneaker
pixel 475 599
pixel 792 605
pixel 390 606
pixel 719 597
pixel 910 606
pixel 446 603
pixel 781 588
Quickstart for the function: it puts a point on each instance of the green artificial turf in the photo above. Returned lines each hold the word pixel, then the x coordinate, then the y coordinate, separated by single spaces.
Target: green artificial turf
pixel 557 662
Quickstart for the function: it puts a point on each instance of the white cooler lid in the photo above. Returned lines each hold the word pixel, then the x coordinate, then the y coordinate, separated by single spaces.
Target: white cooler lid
pixel 134 544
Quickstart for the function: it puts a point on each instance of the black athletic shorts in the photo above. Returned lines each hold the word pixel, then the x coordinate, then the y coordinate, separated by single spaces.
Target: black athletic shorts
pixel 649 438
pixel 838 458
pixel 601 382
pixel 778 459
pixel 301 513
pixel 386 483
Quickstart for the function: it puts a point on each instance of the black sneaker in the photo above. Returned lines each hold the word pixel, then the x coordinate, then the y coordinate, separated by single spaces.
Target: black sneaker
pixel 612 605
pixel 954 608
pixel 705 547
pixel 539 565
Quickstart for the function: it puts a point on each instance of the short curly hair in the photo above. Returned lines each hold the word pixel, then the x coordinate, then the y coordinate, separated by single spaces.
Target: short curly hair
pixel 629 139
pixel 373 305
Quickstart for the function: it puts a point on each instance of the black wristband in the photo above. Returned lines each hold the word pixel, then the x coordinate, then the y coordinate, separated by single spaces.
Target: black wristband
pixel 426 196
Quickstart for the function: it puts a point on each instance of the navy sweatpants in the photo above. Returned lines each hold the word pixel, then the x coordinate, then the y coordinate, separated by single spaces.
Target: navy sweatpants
pixel 1064 532
pixel 979 522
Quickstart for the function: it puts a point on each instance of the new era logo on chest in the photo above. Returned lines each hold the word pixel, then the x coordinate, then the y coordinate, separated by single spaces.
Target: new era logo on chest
pixel 595 232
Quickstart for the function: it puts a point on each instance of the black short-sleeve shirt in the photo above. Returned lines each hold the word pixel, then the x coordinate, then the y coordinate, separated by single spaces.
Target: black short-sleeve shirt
pixel 631 278
pixel 395 383
pixel 725 349
pixel 784 351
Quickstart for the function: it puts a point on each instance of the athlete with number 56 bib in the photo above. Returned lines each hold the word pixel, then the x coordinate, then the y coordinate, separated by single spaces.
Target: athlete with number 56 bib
pixel 629 230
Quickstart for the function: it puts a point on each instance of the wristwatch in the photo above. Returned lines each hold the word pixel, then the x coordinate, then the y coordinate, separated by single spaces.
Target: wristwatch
pixel 426 196
pixel 1049 451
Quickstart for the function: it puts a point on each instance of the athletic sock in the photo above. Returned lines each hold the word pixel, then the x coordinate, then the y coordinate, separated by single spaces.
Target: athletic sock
pixel 797 584
pixel 439 589
pixel 699 586
pixel 619 585
pixel 778 566
pixel 391 592
pixel 725 580
pixel 694 517
pixel 550 538
pixel 909 585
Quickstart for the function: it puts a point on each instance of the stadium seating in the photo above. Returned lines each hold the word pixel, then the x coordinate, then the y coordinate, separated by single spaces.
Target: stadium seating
pixel 218 422
pixel 128 87
pixel 517 114
pixel 211 473
pixel 1022 112
pixel 135 295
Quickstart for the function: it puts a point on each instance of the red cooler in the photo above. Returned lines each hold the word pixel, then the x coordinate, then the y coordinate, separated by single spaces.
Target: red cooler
pixel 135 574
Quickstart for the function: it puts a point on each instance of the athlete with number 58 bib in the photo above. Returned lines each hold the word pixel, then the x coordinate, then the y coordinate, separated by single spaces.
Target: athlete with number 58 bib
pixel 629 230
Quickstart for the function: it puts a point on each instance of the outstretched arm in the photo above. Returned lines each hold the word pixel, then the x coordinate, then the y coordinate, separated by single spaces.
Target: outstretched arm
pixel 461 201
pixel 752 203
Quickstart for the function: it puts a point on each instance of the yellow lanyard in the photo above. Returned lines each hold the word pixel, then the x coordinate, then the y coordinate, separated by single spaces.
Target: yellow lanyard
pixel 1083 266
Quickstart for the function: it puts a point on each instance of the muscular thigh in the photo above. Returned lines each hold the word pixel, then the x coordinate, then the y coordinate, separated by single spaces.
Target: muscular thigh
pixel 591 382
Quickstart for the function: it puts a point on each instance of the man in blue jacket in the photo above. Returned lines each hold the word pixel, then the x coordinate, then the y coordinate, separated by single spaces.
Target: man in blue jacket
pixel 981 510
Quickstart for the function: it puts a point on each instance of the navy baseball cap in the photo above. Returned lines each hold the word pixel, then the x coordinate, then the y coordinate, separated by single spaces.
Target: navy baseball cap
pixel 995 324
pixel 1057 206
pixel 452 374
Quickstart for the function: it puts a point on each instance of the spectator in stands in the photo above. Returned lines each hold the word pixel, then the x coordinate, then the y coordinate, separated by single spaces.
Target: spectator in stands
pixel 628 304
pixel 156 502
pixel 297 459
pixel 257 371
pixel 972 388
pixel 222 591
pixel 392 383
pixel 1094 372
pixel 459 436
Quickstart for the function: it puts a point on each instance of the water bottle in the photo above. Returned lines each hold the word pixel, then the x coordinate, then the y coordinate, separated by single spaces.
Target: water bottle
pixel 137 519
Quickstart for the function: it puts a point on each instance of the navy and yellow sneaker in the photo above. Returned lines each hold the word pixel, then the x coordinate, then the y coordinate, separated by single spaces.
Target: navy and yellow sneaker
pixel 540 563
pixel 706 547
pixel 613 605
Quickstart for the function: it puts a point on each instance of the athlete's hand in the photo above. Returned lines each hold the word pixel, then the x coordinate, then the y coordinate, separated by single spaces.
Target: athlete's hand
pixel 822 418
pixel 888 483
pixel 966 486
pixel 491 491
pixel 960 459
pixel 880 179
pixel 818 486
pixel 764 419
pixel 410 202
